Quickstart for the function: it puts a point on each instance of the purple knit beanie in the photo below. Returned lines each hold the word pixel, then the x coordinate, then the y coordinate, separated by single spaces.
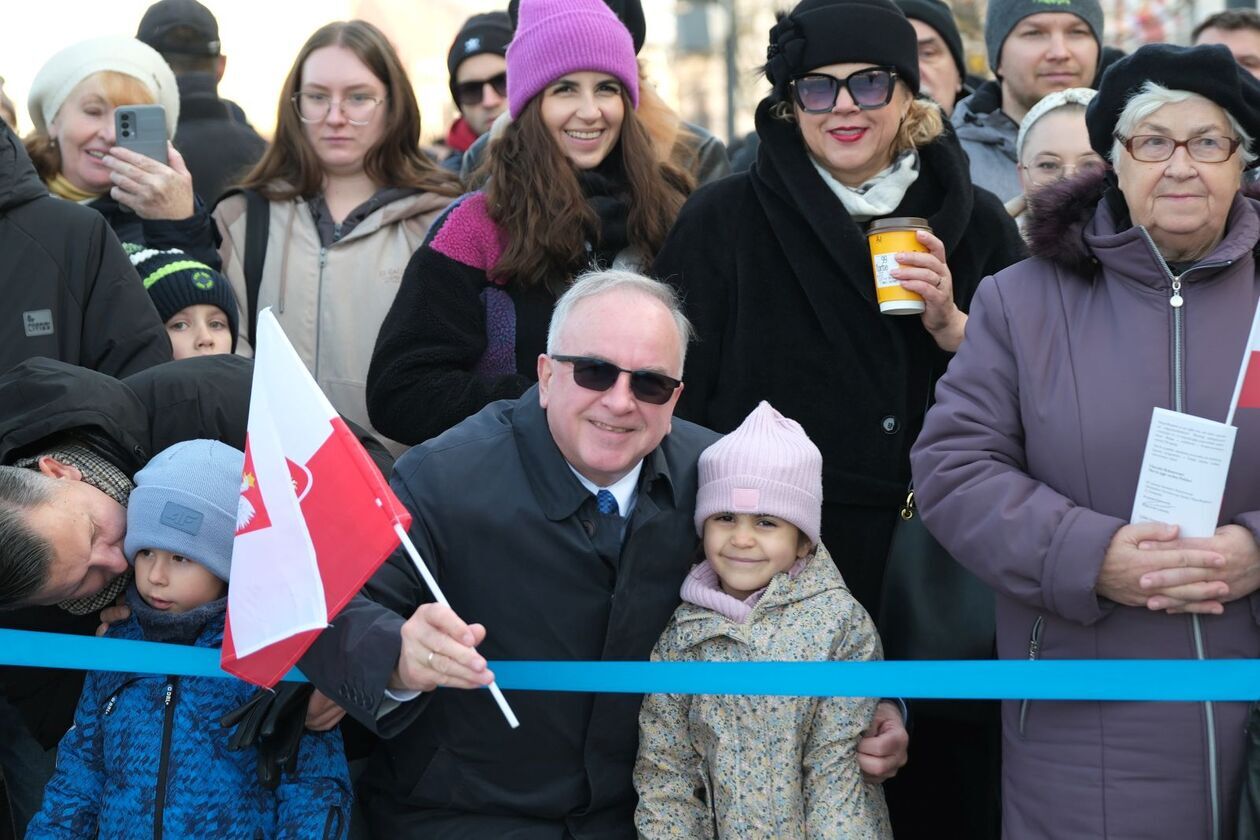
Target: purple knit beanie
pixel 554 37
pixel 767 465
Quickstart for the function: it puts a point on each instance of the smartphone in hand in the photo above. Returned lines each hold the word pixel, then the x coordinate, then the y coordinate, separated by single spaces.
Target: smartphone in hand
pixel 142 128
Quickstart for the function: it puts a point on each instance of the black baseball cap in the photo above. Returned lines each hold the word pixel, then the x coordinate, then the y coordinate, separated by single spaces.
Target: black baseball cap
pixel 180 26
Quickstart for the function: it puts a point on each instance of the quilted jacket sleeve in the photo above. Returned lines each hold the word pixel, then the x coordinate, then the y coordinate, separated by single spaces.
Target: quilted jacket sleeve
pixel 838 802
pixel 668 773
pixel 1018 534
pixel 72 799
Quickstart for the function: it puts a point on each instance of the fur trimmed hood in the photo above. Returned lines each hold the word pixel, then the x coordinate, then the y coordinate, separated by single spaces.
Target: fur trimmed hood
pixel 1059 214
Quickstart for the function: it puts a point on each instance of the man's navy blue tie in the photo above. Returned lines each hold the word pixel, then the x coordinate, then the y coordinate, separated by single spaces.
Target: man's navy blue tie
pixel 606 502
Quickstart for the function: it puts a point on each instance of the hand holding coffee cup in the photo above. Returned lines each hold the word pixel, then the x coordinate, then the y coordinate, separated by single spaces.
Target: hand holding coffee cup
pixel 913 278
pixel 890 241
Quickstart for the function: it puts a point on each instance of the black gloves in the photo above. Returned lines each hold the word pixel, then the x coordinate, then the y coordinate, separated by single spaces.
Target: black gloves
pixel 272 721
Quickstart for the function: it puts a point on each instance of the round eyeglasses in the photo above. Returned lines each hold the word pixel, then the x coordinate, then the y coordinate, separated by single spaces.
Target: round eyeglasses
pixel 357 108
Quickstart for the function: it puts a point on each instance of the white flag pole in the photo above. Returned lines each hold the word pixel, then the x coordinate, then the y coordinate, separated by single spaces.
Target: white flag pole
pixel 441 599
pixel 1253 343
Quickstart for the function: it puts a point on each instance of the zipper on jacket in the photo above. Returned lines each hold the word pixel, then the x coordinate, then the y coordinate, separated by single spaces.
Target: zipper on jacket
pixel 319 306
pixel 1034 653
pixel 1177 302
pixel 112 702
pixel 168 725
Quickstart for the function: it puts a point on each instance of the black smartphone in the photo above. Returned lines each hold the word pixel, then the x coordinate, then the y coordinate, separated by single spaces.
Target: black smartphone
pixel 142 128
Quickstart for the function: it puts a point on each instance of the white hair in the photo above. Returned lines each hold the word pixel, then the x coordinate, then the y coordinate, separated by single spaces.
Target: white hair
pixel 595 283
pixel 1154 96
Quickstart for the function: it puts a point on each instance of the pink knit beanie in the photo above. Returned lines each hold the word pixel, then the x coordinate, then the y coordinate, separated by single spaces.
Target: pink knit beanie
pixel 554 37
pixel 767 465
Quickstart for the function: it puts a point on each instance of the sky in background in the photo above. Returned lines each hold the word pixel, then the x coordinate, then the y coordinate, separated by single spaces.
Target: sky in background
pixel 260 39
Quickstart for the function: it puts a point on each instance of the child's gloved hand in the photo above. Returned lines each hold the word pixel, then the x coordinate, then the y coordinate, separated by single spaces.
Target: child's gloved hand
pixel 272 721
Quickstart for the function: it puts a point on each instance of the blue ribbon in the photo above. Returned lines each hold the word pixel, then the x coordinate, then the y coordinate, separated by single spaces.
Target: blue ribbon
pixel 1118 679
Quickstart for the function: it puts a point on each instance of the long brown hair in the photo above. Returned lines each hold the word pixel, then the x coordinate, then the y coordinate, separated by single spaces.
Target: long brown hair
pixel 289 168
pixel 534 196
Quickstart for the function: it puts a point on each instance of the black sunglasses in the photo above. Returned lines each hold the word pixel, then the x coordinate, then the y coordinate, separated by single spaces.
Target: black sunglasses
pixel 871 88
pixel 599 375
pixel 470 92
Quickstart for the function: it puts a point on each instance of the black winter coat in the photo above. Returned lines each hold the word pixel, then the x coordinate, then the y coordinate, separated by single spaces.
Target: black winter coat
pixel 68 290
pixel 777 279
pixel 217 143
pixel 128 421
pixel 511 536
pixel 196 236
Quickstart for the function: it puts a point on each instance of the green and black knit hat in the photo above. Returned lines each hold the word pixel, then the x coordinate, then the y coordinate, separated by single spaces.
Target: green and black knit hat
pixel 175 280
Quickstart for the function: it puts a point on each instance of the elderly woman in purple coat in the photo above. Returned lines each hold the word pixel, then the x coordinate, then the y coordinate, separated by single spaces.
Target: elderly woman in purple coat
pixel 1140 294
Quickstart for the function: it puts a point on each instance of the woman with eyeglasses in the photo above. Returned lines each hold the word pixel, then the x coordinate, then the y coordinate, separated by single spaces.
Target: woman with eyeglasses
pixel 1053 144
pixel 777 276
pixel 1139 296
pixel 349 197
pixel 72 104
pixel 573 183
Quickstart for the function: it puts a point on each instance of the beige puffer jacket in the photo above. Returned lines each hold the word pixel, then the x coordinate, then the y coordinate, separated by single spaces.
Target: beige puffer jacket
pixel 762 768
pixel 330 301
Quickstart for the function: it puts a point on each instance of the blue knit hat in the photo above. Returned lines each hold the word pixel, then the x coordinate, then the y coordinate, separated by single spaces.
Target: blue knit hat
pixel 185 502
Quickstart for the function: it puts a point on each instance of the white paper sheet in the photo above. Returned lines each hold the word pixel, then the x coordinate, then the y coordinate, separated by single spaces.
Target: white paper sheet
pixel 1183 472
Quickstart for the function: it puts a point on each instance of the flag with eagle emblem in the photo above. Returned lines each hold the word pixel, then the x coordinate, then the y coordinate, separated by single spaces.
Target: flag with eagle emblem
pixel 314 521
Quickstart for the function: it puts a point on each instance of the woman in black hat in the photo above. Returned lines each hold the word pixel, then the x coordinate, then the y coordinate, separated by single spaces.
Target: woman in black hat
pixel 1140 296
pixel 777 275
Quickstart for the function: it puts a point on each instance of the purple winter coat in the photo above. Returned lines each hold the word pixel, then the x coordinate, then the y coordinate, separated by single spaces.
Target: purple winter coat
pixel 1028 464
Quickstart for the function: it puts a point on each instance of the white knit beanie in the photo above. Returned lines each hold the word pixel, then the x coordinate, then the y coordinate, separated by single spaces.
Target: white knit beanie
pixel 1049 103
pixel 767 465
pixel 119 53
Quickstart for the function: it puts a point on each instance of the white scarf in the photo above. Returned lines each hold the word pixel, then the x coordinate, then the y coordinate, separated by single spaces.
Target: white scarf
pixel 880 195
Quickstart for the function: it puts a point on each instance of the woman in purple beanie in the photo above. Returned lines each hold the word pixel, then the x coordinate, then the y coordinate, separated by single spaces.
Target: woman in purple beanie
pixel 573 182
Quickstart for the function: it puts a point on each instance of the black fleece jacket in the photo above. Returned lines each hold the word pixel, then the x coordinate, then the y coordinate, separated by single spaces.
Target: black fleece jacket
pixel 777 279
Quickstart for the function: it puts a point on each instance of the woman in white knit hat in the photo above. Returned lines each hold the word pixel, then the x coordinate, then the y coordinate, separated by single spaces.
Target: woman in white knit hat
pixel 1053 144
pixel 72 103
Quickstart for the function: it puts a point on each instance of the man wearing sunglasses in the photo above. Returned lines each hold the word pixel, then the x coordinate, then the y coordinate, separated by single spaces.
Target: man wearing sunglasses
pixel 478 69
pixel 1035 47
pixel 560 527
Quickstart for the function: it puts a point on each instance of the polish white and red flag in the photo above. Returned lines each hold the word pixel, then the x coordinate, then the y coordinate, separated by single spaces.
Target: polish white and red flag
pixel 315 518
pixel 1247 389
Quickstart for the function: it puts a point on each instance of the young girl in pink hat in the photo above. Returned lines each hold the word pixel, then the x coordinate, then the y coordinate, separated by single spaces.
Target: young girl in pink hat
pixel 751 767
pixel 573 181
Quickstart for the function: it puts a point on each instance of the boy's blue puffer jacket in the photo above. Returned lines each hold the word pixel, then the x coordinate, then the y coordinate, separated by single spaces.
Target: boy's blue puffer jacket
pixel 147 758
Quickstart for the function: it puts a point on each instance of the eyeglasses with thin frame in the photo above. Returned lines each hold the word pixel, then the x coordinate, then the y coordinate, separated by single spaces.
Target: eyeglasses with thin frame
pixel 357 108
pixel 871 88
pixel 1050 171
pixel 1156 148
pixel 600 375
pixel 473 91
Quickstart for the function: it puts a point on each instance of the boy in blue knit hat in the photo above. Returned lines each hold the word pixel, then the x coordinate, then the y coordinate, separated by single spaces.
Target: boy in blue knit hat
pixel 146 755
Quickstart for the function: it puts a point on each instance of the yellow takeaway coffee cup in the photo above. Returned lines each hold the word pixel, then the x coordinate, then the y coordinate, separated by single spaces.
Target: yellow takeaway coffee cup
pixel 886 238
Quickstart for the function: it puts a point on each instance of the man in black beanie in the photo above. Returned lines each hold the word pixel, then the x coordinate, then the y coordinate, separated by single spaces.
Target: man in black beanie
pixel 1035 47
pixel 478 73
pixel 942 65
pixel 217 142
